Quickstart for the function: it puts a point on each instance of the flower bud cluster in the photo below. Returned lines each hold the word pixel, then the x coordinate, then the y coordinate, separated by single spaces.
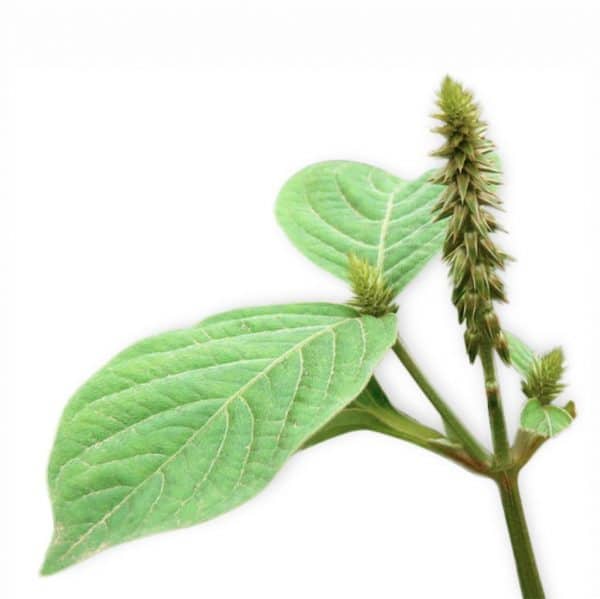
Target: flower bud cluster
pixel 371 292
pixel 544 380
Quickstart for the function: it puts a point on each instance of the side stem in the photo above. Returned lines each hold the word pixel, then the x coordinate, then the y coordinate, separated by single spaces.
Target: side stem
pixel 495 410
pixel 529 578
pixel 471 445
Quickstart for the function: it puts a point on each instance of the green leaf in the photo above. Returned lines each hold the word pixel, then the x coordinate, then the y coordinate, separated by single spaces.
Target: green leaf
pixel 186 425
pixel 331 209
pixel 371 410
pixel 542 420
pixel 522 357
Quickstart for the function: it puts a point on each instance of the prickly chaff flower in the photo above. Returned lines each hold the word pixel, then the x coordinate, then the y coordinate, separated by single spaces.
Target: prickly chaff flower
pixel 371 292
pixel 470 177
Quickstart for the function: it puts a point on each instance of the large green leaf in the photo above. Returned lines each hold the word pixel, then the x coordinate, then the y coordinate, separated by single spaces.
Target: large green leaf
pixel 371 410
pixel 189 424
pixel 333 208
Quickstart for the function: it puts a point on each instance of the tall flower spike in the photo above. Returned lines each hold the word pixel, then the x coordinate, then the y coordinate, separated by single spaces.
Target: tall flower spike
pixel 371 292
pixel 470 177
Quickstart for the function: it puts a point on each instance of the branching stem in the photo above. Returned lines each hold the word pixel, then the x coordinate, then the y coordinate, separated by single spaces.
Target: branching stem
pixel 504 470
pixel 471 445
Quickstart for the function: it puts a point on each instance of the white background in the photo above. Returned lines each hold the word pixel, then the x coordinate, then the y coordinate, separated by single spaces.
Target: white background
pixel 143 145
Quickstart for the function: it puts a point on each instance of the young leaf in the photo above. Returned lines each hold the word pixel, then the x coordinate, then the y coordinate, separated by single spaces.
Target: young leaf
pixel 522 357
pixel 371 410
pixel 544 420
pixel 331 209
pixel 186 425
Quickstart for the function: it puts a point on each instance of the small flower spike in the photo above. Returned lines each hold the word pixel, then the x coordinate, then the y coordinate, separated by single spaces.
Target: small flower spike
pixel 371 292
pixel 544 381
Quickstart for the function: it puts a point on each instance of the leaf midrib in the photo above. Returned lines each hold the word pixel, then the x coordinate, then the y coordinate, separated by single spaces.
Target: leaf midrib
pixel 384 230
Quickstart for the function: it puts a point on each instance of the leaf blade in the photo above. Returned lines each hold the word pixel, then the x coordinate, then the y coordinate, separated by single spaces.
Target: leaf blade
pixel 184 426
pixel 544 420
pixel 334 208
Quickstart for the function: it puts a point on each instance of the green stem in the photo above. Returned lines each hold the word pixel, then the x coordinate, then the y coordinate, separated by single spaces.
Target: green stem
pixel 525 445
pixel 529 578
pixel 372 410
pixel 495 411
pixel 398 424
pixel 471 445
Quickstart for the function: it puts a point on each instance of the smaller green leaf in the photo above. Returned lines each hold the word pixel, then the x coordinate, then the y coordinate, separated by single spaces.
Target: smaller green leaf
pixel 522 357
pixel 331 209
pixel 546 421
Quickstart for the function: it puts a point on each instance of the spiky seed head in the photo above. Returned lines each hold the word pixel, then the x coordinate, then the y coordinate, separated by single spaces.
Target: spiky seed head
pixel 372 295
pixel 470 177
pixel 544 381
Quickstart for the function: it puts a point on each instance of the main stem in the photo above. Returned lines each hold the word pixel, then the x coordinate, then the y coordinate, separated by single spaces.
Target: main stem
pixel 471 445
pixel 504 470
pixel 506 477
pixel 529 578
pixel 495 410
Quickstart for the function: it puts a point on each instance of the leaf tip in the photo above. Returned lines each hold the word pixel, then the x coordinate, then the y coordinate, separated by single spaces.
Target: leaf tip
pixel 50 565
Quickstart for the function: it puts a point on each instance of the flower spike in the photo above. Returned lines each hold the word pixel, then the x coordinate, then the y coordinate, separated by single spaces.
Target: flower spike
pixel 470 177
